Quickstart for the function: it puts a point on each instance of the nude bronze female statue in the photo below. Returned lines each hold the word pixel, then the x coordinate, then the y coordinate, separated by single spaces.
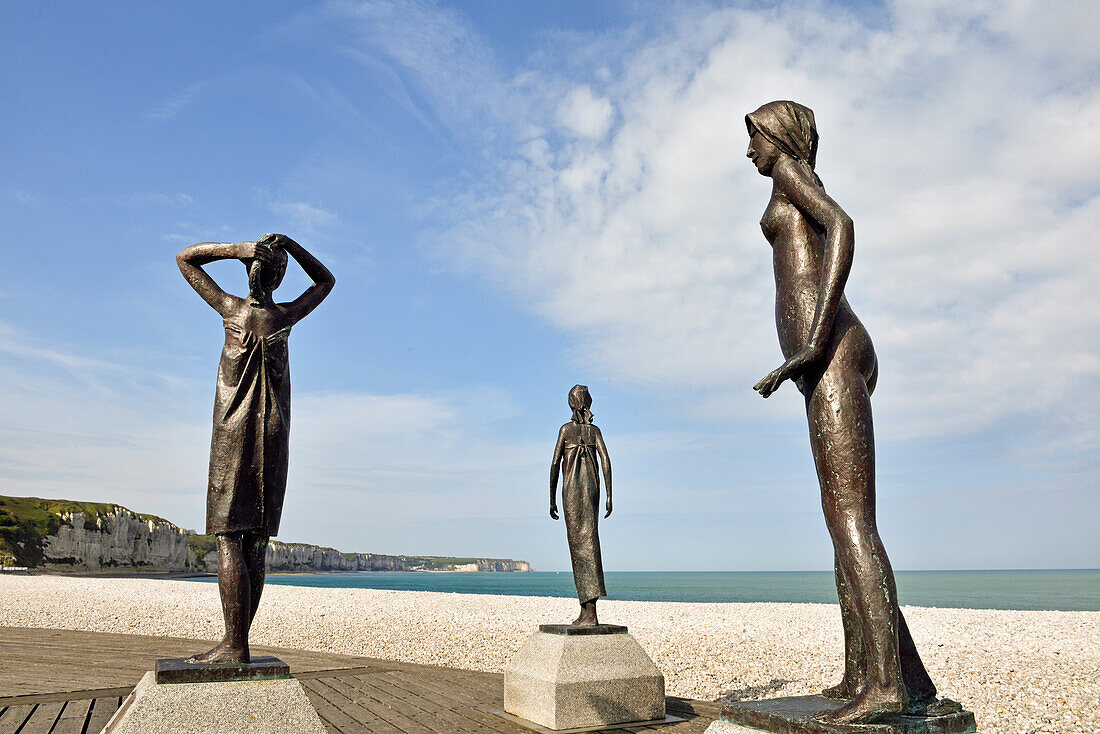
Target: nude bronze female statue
pixel 830 358
pixel 579 443
pixel 248 449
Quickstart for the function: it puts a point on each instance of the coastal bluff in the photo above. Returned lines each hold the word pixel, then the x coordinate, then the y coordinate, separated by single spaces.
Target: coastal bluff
pixel 67 536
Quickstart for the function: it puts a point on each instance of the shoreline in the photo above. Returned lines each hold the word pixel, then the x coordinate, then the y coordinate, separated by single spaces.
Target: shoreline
pixel 1017 670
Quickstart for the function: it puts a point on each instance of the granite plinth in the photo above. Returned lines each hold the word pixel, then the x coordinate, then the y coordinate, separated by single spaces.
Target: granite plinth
pixel 179 670
pixel 584 629
pixel 256 706
pixel 795 715
pixel 564 681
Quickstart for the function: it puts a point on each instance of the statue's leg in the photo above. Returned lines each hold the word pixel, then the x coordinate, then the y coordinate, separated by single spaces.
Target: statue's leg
pixel 234 586
pixel 922 691
pixel 842 438
pixel 855 665
pixel 587 617
pixel 255 558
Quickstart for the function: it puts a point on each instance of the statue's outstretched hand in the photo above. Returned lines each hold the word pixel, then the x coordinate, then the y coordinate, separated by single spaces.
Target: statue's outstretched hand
pixel 792 369
pixel 554 511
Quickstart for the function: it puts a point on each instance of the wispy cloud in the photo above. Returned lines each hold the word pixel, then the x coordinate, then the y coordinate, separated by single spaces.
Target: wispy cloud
pixel 442 56
pixel 173 105
pixel 147 198
pixel 963 141
pixel 302 216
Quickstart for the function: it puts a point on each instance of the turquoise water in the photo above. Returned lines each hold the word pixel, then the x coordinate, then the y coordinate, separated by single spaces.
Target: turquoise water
pixel 1077 590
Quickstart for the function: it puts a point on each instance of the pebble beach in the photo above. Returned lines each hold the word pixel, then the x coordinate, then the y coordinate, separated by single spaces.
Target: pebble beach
pixel 1018 671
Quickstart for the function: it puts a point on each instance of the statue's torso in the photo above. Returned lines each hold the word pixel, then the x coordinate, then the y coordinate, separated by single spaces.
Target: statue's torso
pixel 797 259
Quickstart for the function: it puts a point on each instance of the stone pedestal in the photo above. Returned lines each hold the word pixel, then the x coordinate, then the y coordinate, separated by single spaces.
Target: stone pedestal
pixel 263 699
pixel 795 715
pixel 567 677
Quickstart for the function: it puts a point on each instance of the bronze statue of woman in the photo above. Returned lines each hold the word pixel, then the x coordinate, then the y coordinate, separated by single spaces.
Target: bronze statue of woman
pixel 830 358
pixel 249 446
pixel 579 443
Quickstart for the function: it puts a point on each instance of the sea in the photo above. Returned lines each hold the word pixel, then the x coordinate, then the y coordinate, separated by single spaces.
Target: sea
pixel 1067 590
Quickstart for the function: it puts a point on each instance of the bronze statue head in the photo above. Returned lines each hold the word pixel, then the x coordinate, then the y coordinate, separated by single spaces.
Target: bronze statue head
pixel 782 127
pixel 580 401
pixel 264 278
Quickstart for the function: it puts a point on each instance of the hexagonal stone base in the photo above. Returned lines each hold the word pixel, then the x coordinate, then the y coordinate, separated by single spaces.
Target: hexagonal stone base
pixel 256 706
pixel 565 680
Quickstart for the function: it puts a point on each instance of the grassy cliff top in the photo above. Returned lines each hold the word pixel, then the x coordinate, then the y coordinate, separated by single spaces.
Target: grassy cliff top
pixel 26 521
pixel 39 511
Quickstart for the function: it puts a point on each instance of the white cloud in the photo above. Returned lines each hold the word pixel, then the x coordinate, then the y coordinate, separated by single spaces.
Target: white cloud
pixel 443 61
pixel 100 430
pixel 586 115
pixel 963 140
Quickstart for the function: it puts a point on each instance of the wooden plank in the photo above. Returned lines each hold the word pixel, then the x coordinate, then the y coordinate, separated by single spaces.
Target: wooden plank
pixel 398 703
pixel 381 710
pixel 43 718
pixel 50 661
pixel 333 718
pixel 307 675
pixel 355 709
pixel 481 692
pixel 444 696
pixel 13 717
pixel 428 704
pixel 486 688
pixel 64 696
pixel 102 711
pixel 73 717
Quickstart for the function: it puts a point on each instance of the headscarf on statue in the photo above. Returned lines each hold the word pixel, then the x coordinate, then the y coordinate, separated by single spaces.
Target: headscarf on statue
pixel 580 401
pixel 790 127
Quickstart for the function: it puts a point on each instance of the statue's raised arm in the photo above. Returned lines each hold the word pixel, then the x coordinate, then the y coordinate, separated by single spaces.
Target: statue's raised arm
pixel 323 280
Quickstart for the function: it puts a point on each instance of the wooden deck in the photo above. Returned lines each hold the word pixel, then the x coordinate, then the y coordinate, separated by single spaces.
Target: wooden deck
pixel 61 682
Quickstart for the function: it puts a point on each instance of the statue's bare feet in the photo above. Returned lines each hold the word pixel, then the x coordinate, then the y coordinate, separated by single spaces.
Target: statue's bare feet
pixel 224 653
pixel 870 705
pixel 921 698
pixel 842 691
pixel 919 701
pixel 587 619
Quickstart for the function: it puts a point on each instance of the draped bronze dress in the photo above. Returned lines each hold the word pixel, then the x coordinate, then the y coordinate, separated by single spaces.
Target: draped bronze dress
pixel 250 442
pixel 581 505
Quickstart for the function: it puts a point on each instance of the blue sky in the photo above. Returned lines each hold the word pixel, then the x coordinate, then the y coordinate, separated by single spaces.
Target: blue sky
pixel 517 197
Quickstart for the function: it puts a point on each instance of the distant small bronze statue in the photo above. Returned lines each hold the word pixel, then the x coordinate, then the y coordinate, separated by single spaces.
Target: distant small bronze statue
pixel 830 358
pixel 249 447
pixel 579 443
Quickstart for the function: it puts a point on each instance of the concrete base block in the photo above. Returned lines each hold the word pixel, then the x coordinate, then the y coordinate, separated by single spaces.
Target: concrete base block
pixel 571 681
pixel 259 707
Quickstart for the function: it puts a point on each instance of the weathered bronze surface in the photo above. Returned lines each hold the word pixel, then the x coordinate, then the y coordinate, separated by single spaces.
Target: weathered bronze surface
pixel 829 356
pixel 180 670
pixel 590 629
pixel 575 456
pixel 799 715
pixel 248 449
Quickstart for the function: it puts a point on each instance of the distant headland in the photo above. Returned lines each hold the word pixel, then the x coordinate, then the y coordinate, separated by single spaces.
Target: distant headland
pixel 64 536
